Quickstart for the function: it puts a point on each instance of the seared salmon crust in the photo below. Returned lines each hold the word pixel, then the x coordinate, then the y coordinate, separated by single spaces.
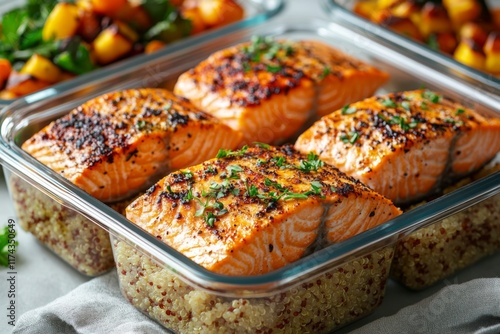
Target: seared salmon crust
pixel 253 211
pixel 269 89
pixel 120 143
pixel 404 145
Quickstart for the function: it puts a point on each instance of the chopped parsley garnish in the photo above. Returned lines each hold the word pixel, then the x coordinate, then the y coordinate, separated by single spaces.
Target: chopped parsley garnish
pixel 266 47
pixel 274 68
pixel 228 153
pixel 279 161
pixel 274 184
pixel 313 163
pixel 142 125
pixel 325 73
pixel 351 137
pixel 187 174
pixel 431 96
pixel 189 196
pixel 402 122
pixel 460 111
pixel 406 105
pixel 347 110
pixel 247 67
pixel 262 145
pixel 389 103
pixel 424 106
pixel 453 121
pixel 233 171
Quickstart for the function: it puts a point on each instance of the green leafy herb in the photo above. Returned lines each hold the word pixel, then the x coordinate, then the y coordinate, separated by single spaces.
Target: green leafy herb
pixel 76 59
pixel 432 42
pixel 246 67
pixel 262 145
pixel 187 174
pixel 274 184
pixel 389 103
pixel 189 196
pixel 142 125
pixel 351 137
pixel 233 171
pixel 325 73
pixel 453 121
pixel 274 68
pixel 313 163
pixel 347 110
pixel 431 96
pixel 403 123
pixel 424 106
pixel 406 105
pixel 459 111
pixel 228 153
pixel 279 161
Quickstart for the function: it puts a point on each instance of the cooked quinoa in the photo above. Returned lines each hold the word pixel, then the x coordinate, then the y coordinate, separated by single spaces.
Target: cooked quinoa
pixel 74 238
pixel 435 252
pixel 319 305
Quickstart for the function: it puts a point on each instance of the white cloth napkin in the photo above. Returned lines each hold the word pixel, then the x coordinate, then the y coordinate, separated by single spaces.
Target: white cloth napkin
pixel 98 307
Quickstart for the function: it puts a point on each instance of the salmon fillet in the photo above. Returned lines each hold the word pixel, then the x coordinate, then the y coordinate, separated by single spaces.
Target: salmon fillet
pixel 269 89
pixel 404 145
pixel 117 144
pixel 252 211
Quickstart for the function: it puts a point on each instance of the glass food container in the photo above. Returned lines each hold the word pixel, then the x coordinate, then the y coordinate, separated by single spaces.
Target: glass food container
pixel 319 293
pixel 256 11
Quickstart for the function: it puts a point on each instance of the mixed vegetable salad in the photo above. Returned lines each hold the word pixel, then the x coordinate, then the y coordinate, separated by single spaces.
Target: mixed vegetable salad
pixel 48 41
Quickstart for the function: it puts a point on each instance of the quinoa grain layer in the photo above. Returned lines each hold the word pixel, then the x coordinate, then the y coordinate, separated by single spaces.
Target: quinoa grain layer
pixel 74 238
pixel 437 251
pixel 317 306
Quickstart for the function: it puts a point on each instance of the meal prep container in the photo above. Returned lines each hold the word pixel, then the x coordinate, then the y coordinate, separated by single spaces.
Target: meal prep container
pixel 256 12
pixel 319 293
pixel 341 12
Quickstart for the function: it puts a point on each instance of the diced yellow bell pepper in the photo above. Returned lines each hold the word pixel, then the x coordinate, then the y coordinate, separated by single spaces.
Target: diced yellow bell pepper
pixel 110 45
pixel 61 23
pixel 386 3
pixel 461 11
pixel 469 53
pixel 193 15
pixel 365 8
pixel 42 69
pixel 219 12
pixel 492 50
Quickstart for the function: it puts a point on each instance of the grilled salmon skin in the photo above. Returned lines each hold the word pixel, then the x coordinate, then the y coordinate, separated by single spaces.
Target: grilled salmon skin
pixel 404 145
pixel 252 211
pixel 120 143
pixel 269 89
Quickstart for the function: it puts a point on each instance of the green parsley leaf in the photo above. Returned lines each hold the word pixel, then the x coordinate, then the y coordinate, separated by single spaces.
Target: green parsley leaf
pixel 431 96
pixel 389 103
pixel 274 68
pixel 459 111
pixel 406 105
pixel 352 137
pixel 325 73
pixel 262 145
pixel 347 110
pixel 228 153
